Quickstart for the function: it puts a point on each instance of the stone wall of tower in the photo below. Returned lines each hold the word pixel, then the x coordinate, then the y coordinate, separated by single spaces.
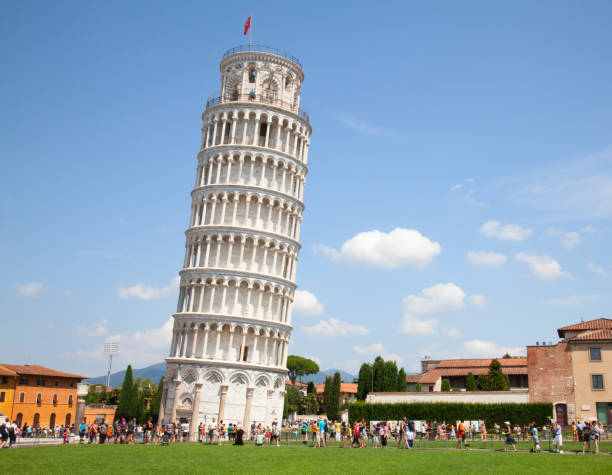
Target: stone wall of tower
pixel 233 321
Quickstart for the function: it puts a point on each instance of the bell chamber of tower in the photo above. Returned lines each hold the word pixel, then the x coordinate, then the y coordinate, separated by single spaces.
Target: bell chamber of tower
pixel 232 326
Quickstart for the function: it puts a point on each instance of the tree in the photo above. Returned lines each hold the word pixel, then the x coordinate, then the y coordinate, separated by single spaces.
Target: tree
pixel 156 400
pixel 418 388
pixel 294 399
pixel 128 398
pixel 401 380
pixel 364 382
pixel 446 385
pixel 494 380
pixel 327 389
pixel 506 356
pixel 379 373
pixel 310 389
pixel 299 366
pixel 470 382
pixel 332 398
pixel 390 376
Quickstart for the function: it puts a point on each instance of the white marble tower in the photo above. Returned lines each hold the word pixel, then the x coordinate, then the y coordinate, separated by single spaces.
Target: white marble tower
pixel 233 322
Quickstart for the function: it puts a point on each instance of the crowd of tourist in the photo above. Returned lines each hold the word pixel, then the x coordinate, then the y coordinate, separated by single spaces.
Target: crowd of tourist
pixel 360 434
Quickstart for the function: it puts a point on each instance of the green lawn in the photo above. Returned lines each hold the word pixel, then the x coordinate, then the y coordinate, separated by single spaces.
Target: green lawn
pixel 196 458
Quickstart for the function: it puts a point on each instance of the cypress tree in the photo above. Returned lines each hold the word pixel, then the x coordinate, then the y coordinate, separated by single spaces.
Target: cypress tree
pixel 364 382
pixel 418 388
pixel 156 400
pixel 379 374
pixel 390 376
pixel 126 404
pixel 327 392
pixel 446 384
pixel 401 380
pixel 470 382
pixel 333 405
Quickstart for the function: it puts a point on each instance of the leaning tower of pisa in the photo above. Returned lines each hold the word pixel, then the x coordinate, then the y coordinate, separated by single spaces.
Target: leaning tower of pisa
pixel 233 322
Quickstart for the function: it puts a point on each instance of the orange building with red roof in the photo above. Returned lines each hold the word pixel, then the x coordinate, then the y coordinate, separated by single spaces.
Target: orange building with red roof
pixel 37 395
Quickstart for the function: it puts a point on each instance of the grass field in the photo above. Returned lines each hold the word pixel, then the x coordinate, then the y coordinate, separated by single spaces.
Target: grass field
pixel 197 458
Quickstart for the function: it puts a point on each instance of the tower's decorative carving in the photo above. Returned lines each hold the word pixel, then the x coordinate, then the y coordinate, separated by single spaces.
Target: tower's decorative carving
pixel 233 322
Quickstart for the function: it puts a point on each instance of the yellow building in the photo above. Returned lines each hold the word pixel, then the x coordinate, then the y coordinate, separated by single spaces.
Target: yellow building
pixel 38 396
pixel 7 392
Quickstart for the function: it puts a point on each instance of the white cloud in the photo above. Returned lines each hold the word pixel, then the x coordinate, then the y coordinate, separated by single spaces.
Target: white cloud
pixel 589 229
pixel 479 301
pixel 147 292
pixel 373 349
pixel 411 325
pixel 316 359
pixel 362 127
pixel 439 298
pixel 67 292
pixel 543 267
pixel 141 348
pixel 399 248
pixel 506 232
pixel 98 329
pixel 434 300
pixel 597 270
pixel 31 289
pixel 469 198
pixel 378 349
pixel 570 239
pixel 456 187
pixel 306 303
pixel 335 328
pixel 451 332
pixel 571 300
pixel 490 349
pixel 485 258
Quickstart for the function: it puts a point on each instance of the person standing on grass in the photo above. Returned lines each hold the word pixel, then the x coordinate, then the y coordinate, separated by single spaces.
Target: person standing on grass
pixel 320 427
pixel 586 436
pixel 536 438
pixel 410 433
pixel 402 428
pixel 483 431
pixel 460 434
pixel 509 439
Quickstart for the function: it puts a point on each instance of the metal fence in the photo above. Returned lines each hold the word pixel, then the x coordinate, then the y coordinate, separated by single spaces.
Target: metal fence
pixel 262 49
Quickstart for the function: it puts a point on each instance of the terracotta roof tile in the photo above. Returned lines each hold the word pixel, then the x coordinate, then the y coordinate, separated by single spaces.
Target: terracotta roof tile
pixel 6 372
pixel 37 370
pixel 596 324
pixel 348 388
pixel 481 363
pixel 593 335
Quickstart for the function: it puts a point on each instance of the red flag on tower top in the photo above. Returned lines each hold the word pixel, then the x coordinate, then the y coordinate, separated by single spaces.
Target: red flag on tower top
pixel 247 25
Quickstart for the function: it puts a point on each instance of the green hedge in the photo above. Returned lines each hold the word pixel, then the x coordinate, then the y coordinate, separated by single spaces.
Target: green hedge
pixel 451 412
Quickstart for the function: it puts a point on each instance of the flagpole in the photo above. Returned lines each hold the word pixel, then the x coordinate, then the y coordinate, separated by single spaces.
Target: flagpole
pixel 251 32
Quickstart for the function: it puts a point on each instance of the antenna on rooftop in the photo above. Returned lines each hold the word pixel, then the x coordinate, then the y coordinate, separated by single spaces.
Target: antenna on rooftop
pixel 110 348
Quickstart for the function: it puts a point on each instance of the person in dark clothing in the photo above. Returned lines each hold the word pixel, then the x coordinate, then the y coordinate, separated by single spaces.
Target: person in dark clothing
pixel 239 435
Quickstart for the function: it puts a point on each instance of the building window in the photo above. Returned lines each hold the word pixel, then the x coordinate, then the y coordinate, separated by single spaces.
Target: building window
pixel 22 397
pixel 72 384
pixel 245 354
pixel 4 380
pixel 36 420
pixel 19 419
pixel 597 381
pixel 2 396
pixel 40 382
pixel 595 354
pixel 252 75
pixel 38 399
pixel 55 399
pixel 23 381
pixel 70 401
pixel 68 419
pixel 56 383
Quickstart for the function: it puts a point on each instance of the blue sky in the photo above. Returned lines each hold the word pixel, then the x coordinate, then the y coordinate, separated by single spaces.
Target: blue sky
pixel 479 131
